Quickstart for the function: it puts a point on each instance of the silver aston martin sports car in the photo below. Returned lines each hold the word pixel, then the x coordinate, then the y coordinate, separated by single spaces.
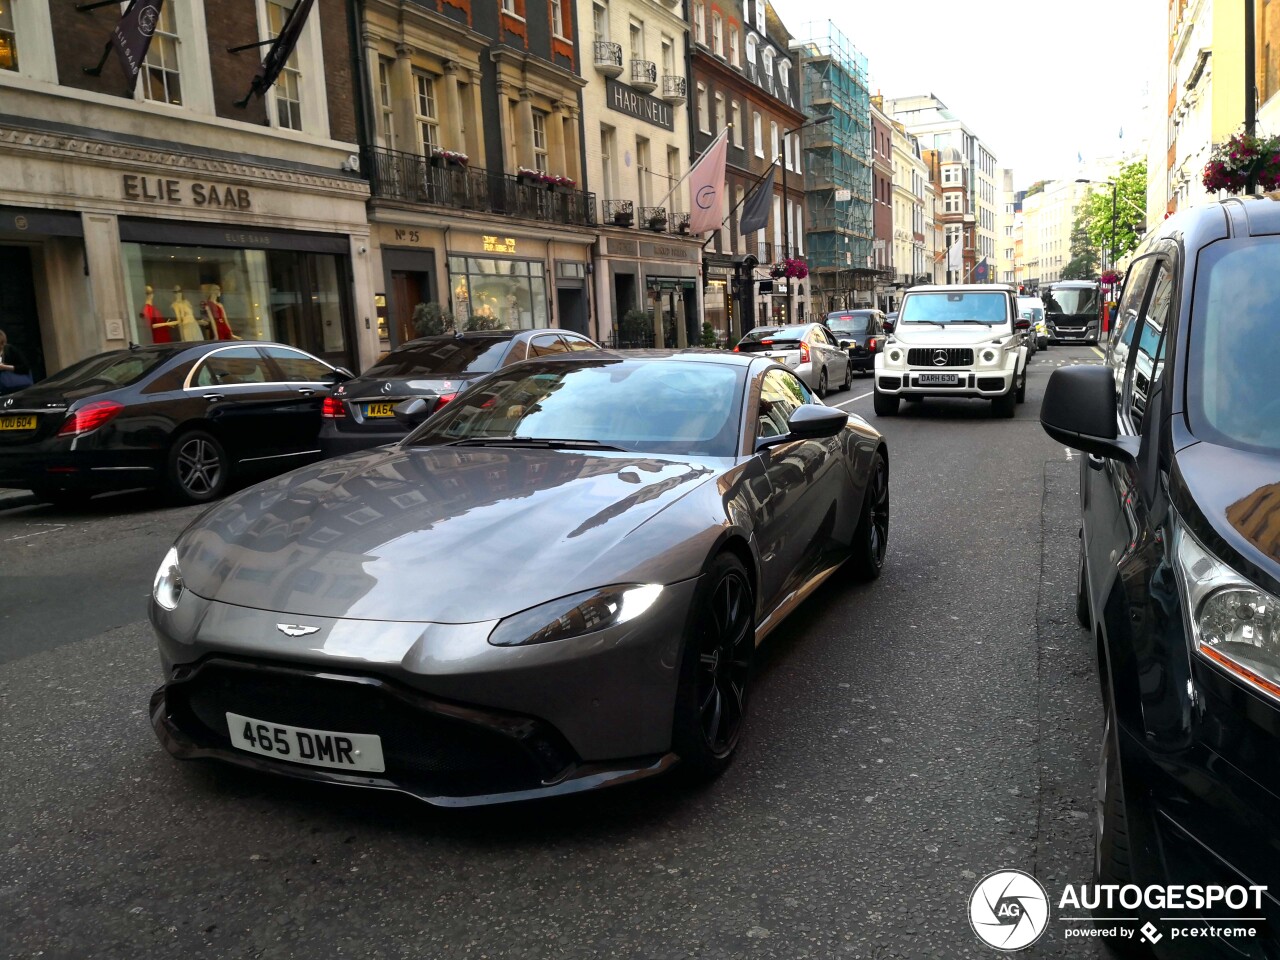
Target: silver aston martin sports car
pixel 554 584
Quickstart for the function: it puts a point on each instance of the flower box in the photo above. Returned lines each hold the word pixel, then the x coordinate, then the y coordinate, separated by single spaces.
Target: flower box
pixel 1240 160
pixel 792 268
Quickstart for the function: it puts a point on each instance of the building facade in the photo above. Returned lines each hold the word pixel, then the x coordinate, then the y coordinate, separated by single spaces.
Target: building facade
pixel 910 194
pixel 949 173
pixel 136 217
pixel 1048 215
pixel 1006 251
pixel 882 203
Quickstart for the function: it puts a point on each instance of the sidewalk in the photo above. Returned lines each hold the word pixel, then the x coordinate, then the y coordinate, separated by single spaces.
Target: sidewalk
pixel 14 498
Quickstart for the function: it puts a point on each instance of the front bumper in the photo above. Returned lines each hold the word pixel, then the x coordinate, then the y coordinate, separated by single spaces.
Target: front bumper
pixel 1063 334
pixel 969 383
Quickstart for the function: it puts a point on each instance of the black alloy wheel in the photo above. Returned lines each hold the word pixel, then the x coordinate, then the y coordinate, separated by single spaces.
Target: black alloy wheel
pixel 198 468
pixel 822 383
pixel 871 539
pixel 711 704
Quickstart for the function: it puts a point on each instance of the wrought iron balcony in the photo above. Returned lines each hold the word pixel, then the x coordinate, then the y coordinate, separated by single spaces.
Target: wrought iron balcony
pixel 674 89
pixel 654 218
pixel 609 58
pixel 412 178
pixel 679 223
pixel 620 213
pixel 644 75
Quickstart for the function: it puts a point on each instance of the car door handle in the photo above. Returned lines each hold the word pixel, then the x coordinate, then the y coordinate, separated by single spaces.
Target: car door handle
pixel 211 397
pixel 1096 463
pixel 306 391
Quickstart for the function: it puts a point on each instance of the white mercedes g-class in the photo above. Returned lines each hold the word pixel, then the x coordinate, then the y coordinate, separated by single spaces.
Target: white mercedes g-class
pixel 955 341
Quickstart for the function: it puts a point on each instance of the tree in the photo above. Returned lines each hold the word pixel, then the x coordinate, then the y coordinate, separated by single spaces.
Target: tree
pixel 1037 187
pixel 1083 264
pixel 1130 204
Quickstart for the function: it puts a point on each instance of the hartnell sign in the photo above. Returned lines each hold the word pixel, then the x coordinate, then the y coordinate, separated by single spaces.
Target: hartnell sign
pixel 639 105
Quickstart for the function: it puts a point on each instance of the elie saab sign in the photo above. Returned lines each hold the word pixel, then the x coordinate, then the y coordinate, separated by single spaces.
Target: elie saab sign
pixel 639 105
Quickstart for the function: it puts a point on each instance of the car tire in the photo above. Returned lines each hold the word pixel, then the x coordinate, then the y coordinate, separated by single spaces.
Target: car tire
pixel 884 404
pixel 1022 387
pixel 822 384
pixel 1005 405
pixel 715 670
pixel 848 377
pixel 871 539
pixel 197 469
pixel 1082 595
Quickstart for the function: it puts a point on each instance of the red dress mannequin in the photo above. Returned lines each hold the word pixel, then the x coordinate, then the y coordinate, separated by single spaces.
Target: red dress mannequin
pixel 216 314
pixel 159 325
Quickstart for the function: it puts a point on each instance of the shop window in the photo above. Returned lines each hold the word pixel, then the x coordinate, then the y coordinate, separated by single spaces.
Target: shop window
pixel 222 293
pixel 160 78
pixel 540 140
pixel 425 113
pixel 287 91
pixel 492 294
pixel 8 37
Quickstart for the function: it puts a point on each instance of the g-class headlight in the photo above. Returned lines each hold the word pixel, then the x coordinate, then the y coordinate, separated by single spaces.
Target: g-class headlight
pixel 894 355
pixel 1233 623
pixel 575 615
pixel 167 587
pixel 988 356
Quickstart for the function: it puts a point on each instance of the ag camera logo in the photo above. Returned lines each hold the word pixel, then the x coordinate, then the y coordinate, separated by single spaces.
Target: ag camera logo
pixel 1009 910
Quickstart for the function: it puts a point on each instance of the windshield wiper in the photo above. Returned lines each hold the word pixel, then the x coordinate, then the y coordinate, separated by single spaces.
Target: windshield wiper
pixel 545 443
pixel 985 323
pixel 936 322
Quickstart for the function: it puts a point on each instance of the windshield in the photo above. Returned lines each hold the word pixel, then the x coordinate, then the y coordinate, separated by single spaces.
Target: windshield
pixel 761 334
pixel 108 370
pixel 954 307
pixel 854 323
pixel 643 406
pixel 1071 301
pixel 1232 389
pixel 441 356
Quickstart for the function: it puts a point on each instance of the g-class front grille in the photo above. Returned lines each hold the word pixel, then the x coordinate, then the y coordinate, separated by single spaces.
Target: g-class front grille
pixel 928 356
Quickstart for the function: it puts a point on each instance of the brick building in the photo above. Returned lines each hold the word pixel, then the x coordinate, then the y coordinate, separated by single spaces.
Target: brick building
pixel 882 203
pixel 174 190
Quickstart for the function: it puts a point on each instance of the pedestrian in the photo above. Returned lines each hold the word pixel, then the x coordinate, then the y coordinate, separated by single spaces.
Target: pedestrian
pixel 15 373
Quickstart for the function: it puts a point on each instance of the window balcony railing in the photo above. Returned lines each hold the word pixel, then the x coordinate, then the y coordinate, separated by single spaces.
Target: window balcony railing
pixel 679 223
pixel 654 218
pixel 644 75
pixel 620 213
pixel 674 89
pixel 609 58
pixel 412 178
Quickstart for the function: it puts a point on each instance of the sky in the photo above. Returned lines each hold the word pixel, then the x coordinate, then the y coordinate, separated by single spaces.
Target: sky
pixel 1038 82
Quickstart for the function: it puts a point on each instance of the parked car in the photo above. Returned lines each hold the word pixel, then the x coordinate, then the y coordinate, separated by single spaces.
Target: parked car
pixel 861 332
pixel 557 583
pixel 183 417
pixel 1073 310
pixel 955 341
pixel 358 414
pixel 1180 561
pixel 807 348
pixel 1032 308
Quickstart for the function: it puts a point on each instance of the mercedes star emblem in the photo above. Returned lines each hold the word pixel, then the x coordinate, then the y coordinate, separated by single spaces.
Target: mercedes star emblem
pixel 386 388
pixel 939 358
pixel 296 629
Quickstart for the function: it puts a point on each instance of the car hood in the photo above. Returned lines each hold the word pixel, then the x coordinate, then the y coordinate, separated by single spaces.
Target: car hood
pixel 962 336
pixel 1237 494
pixel 444 534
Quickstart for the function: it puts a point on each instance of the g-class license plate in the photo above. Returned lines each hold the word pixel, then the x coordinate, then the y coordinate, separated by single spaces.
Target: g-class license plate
pixel 937 379
pixel 379 410
pixel 319 748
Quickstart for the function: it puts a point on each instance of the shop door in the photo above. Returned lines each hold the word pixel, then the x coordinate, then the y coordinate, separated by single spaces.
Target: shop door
pixel 18 317
pixel 407 291
pixel 571 306
pixel 310 305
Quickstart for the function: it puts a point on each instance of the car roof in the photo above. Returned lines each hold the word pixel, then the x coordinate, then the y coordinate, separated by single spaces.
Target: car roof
pixel 695 354
pixel 490 335
pixel 961 288
pixel 859 312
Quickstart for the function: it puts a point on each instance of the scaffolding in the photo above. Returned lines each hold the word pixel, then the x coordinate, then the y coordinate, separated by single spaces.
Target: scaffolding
pixel 837 155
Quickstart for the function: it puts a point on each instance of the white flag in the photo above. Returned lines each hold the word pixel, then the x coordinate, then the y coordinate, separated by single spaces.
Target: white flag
pixel 707 186
pixel 955 256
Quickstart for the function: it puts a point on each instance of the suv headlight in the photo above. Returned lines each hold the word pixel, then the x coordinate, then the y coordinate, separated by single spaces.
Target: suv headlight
pixel 895 356
pixel 575 615
pixel 987 356
pixel 167 587
pixel 1233 623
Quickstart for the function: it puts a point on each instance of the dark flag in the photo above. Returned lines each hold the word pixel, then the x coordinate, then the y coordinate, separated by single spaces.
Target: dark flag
pixel 981 270
pixel 132 36
pixel 755 209
pixel 280 52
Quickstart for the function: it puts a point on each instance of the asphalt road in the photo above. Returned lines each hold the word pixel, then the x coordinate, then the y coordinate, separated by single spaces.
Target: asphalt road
pixel 906 738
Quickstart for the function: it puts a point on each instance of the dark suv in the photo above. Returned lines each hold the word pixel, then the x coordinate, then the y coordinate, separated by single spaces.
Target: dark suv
pixel 1180 571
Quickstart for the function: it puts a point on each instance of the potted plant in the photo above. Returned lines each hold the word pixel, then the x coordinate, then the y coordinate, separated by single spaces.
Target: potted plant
pixel 1109 278
pixel 1241 159
pixel 658 220
pixel 528 175
pixel 451 158
pixel 430 320
pixel 623 214
pixel 791 268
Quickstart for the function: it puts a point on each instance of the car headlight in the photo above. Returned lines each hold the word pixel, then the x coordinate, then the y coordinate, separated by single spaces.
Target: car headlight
pixel 167 587
pixel 575 615
pixel 988 356
pixel 893 355
pixel 1233 623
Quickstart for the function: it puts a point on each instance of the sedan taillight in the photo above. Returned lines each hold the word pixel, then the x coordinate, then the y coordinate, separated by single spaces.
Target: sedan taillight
pixel 445 398
pixel 804 352
pixel 89 417
pixel 333 409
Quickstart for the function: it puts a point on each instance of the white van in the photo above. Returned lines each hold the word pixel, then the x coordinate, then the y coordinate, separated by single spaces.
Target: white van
pixel 1033 309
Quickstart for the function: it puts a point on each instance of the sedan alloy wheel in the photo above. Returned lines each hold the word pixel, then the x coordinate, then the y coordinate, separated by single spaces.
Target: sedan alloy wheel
pixel 197 467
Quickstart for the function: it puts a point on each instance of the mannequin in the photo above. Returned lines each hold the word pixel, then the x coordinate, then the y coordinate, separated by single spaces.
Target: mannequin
pixel 160 327
pixel 184 316
pixel 216 315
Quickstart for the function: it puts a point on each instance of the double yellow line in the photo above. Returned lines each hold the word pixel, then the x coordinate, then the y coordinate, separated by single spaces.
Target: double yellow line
pixel 1098 352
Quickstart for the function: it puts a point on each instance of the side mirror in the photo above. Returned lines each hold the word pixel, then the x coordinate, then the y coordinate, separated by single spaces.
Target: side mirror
pixel 1022 324
pixel 410 413
pixel 846 344
pixel 888 326
pixel 1079 411
pixel 812 421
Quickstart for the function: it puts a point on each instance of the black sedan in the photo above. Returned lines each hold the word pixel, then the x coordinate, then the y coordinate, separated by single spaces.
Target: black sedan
pixel 861 332
pixel 1180 579
pixel 182 417
pixel 358 414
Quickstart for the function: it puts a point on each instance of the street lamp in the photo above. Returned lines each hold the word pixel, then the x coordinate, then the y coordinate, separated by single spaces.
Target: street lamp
pixel 786 218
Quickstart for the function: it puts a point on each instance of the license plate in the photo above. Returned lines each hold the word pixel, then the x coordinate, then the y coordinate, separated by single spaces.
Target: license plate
pixel 379 410
pixel 319 748
pixel 937 379
pixel 17 423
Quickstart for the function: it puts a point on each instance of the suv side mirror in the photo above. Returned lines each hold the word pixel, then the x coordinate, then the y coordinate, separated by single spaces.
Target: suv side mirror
pixel 1079 411
pixel 1022 324
pixel 888 326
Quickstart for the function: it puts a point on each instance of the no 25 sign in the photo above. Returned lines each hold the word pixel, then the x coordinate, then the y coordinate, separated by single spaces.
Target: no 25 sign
pixel 412 236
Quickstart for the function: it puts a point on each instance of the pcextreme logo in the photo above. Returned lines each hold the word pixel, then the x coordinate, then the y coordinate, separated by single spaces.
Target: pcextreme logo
pixel 1009 910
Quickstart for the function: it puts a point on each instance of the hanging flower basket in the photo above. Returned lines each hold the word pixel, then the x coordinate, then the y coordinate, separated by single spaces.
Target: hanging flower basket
pixel 549 180
pixel 451 157
pixel 792 268
pixel 1231 166
pixel 1110 278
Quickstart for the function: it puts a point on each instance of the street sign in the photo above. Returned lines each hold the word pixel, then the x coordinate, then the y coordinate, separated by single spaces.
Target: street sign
pixel 844 196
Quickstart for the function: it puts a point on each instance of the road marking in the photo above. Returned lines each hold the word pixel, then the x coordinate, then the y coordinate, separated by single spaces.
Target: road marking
pixel 39 533
pixel 859 397
pixel 1098 352
pixel 1070 453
